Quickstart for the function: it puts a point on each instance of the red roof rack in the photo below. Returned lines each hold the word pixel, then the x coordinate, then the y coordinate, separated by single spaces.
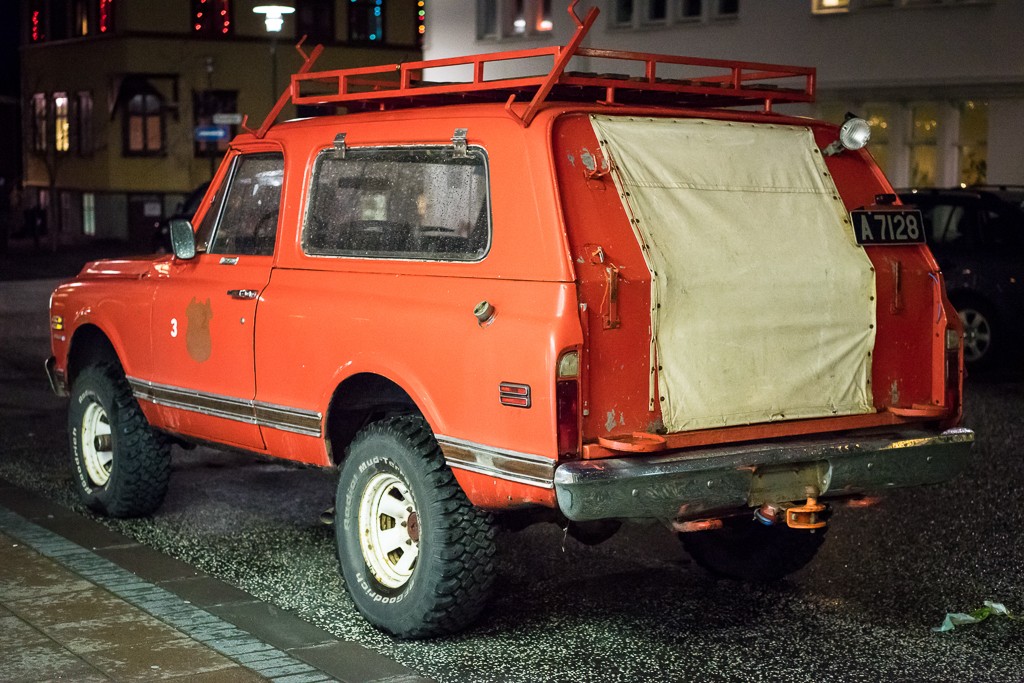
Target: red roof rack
pixel 709 82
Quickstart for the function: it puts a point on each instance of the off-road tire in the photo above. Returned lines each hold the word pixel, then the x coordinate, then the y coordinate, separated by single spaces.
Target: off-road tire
pixel 747 550
pixel 140 465
pixel 453 572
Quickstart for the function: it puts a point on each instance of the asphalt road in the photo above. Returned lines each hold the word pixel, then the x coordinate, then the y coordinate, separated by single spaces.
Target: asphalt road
pixel 634 608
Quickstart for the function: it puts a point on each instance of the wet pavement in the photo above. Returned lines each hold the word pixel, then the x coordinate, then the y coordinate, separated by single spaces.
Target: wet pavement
pixel 634 608
pixel 80 602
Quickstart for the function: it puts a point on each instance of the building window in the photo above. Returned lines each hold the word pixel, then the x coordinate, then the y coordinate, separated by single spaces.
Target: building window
pixel 212 17
pixel 728 8
pixel 315 20
pixel 37 21
pixel 691 9
pixel 83 124
pixel 84 18
pixel 144 125
pixel 106 15
pixel 61 122
pixel 88 214
pixel 512 18
pixel 924 137
pixel 622 14
pixel 657 11
pixel 206 105
pixel 830 6
pixel 973 142
pixel 39 137
pixel 366 21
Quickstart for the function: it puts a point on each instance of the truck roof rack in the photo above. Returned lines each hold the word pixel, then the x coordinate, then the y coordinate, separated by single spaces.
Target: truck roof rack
pixel 697 83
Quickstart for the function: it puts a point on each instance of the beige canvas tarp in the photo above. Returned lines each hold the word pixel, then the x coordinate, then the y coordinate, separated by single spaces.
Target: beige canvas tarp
pixel 762 302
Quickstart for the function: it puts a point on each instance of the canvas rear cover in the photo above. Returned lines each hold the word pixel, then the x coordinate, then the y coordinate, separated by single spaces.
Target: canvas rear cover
pixel 763 303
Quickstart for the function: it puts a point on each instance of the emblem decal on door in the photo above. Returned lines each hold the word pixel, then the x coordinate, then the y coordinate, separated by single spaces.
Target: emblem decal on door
pixel 197 330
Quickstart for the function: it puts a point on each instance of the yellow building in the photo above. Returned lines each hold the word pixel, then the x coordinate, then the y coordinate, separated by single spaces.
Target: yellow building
pixel 125 100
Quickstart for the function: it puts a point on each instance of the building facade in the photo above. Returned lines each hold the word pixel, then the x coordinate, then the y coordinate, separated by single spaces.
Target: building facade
pixel 129 104
pixel 941 81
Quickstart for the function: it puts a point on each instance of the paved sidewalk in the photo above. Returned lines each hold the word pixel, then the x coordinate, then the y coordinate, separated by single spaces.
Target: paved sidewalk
pixel 79 602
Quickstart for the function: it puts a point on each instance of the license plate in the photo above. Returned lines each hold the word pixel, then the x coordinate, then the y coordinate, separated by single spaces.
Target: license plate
pixel 888 226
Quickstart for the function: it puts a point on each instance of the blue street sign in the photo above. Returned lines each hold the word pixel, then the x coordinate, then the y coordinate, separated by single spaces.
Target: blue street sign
pixel 211 133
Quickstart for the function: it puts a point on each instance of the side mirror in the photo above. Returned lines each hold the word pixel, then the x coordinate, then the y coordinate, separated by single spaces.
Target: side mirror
pixel 183 239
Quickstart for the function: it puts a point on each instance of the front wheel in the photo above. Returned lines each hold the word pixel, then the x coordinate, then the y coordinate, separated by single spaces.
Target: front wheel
pixel 747 550
pixel 416 556
pixel 121 466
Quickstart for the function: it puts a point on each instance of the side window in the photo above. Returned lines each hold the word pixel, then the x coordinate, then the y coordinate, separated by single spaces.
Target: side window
pixel 426 204
pixel 204 231
pixel 951 225
pixel 248 220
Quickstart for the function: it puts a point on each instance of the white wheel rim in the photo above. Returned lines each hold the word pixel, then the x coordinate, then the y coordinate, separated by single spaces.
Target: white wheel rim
pixel 97 447
pixel 977 334
pixel 389 530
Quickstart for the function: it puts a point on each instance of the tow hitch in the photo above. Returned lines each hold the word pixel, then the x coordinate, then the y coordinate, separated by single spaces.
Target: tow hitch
pixel 810 515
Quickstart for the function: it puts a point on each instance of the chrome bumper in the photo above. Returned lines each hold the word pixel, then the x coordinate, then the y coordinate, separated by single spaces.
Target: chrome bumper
pixel 696 483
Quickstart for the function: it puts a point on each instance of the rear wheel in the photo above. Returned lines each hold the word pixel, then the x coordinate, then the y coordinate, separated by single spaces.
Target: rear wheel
pixel 121 466
pixel 416 556
pixel 750 551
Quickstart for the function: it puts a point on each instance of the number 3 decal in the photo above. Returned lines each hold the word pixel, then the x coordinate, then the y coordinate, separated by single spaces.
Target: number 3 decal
pixel 174 327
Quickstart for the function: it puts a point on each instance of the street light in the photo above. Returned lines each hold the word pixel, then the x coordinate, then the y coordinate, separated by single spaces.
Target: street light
pixel 273 17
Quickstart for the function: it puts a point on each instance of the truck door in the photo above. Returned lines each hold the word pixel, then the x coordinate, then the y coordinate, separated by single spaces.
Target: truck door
pixel 204 314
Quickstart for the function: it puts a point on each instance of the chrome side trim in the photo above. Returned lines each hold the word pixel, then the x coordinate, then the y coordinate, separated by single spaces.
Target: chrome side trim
pixel 286 419
pixel 522 468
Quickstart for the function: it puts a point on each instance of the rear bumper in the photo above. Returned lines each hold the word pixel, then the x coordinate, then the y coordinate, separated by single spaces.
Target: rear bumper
pixel 696 483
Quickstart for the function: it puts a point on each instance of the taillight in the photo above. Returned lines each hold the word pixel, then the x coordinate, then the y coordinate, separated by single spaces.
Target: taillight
pixel 567 404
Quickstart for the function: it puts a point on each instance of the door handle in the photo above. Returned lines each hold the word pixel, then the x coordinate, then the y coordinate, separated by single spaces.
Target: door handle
pixel 245 294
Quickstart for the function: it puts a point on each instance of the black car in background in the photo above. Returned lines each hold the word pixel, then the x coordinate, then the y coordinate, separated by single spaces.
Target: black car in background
pixel 187 209
pixel 977 236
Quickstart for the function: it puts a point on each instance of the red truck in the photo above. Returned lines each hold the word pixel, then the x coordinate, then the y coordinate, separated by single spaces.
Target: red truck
pixel 573 297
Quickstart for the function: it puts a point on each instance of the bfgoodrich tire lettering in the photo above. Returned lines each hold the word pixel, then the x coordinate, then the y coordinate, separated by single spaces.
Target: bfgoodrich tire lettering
pixel 416 556
pixel 120 465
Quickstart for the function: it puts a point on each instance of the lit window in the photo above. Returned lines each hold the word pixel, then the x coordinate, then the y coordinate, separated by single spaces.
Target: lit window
pixel 88 213
pixel 924 139
pixel 830 6
pixel 366 21
pixel 106 15
pixel 37 21
pixel 144 126
pixel 212 17
pixel 61 122
pixel 512 18
pixel 974 142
